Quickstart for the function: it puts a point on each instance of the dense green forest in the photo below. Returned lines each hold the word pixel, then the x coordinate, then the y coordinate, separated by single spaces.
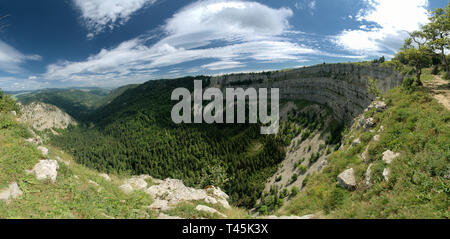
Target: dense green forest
pixel 135 134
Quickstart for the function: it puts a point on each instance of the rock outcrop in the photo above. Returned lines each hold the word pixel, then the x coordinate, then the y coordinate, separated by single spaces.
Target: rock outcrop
pixel 12 192
pixel 46 169
pixel 43 116
pixel 167 193
pixel 43 150
pixel 174 191
pixel 347 179
pixel 135 183
pixel 388 156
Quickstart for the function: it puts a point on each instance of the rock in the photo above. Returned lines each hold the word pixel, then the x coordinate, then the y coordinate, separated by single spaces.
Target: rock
pixel 135 183
pixel 367 176
pixel 376 138
pixel 43 150
pixel 36 140
pixel 203 208
pixel 12 192
pixel 126 188
pixel 218 192
pixel 93 183
pixel 13 113
pixel 388 156
pixel 347 179
pixel 365 154
pixel 174 191
pixel 46 169
pixel 162 205
pixel 379 106
pixel 164 216
pixel 386 173
pixel 381 129
pixel 366 124
pixel 356 142
pixel 106 177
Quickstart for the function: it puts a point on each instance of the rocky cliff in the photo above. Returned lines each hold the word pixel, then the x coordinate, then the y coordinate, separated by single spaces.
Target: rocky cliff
pixel 343 87
pixel 43 116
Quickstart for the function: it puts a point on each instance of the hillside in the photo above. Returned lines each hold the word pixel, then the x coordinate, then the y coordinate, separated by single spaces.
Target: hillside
pixel 400 166
pixel 77 102
pixel 41 181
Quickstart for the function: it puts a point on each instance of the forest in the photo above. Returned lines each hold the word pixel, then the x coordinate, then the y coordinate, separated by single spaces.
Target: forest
pixel 134 134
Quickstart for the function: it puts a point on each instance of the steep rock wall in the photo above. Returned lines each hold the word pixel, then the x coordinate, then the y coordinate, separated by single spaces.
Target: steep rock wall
pixel 343 87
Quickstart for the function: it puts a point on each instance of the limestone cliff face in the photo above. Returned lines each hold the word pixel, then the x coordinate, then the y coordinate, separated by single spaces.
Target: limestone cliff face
pixel 343 87
pixel 43 116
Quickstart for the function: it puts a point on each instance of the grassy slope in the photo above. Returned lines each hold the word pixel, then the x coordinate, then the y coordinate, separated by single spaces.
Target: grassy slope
pixel 417 127
pixel 72 195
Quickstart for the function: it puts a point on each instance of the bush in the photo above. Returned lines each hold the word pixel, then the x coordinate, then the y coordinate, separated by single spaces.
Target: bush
pixel 277 179
pixel 294 178
pixel 7 103
pixel 284 193
pixel 409 84
pixel 446 76
pixel 302 169
pixel 294 191
pixel 435 70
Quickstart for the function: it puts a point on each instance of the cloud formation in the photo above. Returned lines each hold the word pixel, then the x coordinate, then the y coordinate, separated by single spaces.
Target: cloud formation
pixel 384 26
pixel 100 14
pixel 226 33
pixel 11 59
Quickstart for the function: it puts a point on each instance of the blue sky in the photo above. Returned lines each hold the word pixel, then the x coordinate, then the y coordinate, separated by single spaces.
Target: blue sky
pixel 108 43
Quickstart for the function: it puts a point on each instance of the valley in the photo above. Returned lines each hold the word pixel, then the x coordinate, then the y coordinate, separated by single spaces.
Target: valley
pixel 291 173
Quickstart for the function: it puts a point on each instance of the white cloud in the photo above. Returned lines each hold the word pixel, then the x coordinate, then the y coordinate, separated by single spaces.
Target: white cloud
pixel 101 14
pixel 227 33
pixel 222 65
pixel 11 59
pixel 17 83
pixel 385 24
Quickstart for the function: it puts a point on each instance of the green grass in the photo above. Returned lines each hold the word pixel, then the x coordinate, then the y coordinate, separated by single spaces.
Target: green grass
pixel 417 127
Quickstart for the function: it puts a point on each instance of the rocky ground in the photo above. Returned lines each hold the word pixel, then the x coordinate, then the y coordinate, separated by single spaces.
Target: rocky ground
pixel 440 89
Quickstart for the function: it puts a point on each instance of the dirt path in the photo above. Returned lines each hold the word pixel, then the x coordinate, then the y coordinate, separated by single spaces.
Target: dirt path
pixel 440 89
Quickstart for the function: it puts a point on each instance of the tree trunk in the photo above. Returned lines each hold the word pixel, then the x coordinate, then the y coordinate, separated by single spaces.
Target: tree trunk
pixel 418 73
pixel 444 59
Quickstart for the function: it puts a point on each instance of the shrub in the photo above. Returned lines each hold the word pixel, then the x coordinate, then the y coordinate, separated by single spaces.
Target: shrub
pixel 284 193
pixel 294 191
pixel 277 179
pixel 409 84
pixel 7 103
pixel 302 169
pixel 294 178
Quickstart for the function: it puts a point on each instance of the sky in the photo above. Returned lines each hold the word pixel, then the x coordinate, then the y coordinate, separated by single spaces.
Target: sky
pixel 109 43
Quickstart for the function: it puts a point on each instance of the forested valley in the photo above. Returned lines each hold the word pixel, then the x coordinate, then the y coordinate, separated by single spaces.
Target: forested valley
pixel 134 134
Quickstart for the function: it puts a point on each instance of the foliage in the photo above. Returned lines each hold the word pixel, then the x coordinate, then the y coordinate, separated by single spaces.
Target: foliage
pixel 7 103
pixel 134 134
pixel 417 127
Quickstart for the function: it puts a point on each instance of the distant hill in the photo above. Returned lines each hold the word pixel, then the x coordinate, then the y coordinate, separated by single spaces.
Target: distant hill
pixel 77 102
